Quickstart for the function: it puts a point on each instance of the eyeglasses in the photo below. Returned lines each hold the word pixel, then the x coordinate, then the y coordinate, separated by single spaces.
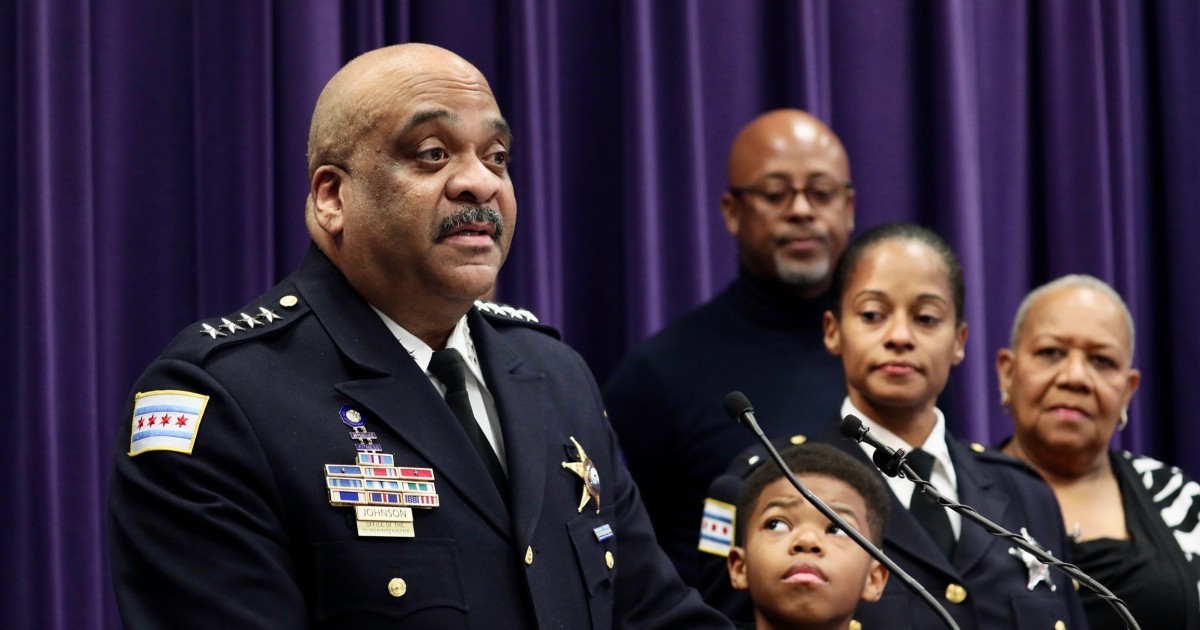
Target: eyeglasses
pixel 777 194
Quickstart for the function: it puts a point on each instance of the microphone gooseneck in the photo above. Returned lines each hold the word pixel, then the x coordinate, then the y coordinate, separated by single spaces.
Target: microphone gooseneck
pixel 739 408
pixel 853 428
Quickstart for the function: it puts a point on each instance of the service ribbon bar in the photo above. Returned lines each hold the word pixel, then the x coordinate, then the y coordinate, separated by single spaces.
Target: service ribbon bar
pixel 416 474
pixel 376 459
pixel 381 493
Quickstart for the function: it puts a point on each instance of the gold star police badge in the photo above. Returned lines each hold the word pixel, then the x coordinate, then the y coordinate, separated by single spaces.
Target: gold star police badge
pixel 587 472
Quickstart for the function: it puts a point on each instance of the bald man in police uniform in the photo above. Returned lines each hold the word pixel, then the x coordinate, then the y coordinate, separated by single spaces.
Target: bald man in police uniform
pixel 294 463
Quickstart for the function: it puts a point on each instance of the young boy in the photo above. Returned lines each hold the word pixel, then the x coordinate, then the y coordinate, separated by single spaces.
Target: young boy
pixel 801 570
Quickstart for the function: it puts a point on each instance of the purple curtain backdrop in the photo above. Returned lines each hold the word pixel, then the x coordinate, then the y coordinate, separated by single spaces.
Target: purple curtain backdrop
pixel 156 150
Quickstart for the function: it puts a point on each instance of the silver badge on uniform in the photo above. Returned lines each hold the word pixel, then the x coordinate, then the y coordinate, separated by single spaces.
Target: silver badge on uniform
pixel 1038 570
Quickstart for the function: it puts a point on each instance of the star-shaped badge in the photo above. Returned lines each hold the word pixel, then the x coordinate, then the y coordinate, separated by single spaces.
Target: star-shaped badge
pixel 210 331
pixel 250 320
pixel 230 326
pixel 1038 570
pixel 267 314
pixel 587 472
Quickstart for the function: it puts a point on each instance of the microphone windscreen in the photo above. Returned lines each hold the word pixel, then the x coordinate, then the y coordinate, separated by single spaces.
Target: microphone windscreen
pixel 851 427
pixel 737 404
pixel 888 463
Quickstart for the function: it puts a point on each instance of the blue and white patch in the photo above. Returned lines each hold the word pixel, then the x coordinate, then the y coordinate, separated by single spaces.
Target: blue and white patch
pixel 716 528
pixel 604 532
pixel 166 420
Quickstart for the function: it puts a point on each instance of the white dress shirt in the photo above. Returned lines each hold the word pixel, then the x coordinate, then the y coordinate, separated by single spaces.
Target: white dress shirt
pixel 483 406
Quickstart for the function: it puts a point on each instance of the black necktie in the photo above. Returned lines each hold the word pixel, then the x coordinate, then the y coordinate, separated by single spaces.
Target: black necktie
pixel 447 365
pixel 932 516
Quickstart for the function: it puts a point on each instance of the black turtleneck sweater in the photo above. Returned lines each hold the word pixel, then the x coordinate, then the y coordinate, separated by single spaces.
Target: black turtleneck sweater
pixel 665 399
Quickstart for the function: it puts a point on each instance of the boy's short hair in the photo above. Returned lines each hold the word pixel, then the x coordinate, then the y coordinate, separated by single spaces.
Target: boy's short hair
pixel 813 458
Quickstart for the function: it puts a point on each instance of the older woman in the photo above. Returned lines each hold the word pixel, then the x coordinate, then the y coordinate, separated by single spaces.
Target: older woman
pixel 1067 380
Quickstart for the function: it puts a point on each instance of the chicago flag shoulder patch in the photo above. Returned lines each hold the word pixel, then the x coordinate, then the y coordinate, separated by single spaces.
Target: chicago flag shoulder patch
pixel 166 420
pixel 716 529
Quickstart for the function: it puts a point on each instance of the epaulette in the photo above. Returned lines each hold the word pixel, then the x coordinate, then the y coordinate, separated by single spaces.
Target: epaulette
pixel 266 315
pixel 505 314
pixel 749 458
pixel 996 456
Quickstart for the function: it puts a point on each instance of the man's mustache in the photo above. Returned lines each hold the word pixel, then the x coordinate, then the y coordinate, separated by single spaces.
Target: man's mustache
pixel 472 214
pixel 802 233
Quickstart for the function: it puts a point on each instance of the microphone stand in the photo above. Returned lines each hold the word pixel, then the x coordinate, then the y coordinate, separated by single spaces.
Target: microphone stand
pixel 896 460
pixel 745 416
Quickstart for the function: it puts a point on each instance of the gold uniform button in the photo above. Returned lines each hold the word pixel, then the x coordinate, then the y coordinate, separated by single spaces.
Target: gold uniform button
pixel 855 624
pixel 798 439
pixel 1059 625
pixel 288 301
pixel 397 587
pixel 608 559
pixel 955 593
pixel 528 555
pixel 977 447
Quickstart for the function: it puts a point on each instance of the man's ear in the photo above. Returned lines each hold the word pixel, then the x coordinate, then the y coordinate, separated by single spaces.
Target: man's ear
pixel 851 199
pixel 729 212
pixel 877 578
pixel 736 563
pixel 328 198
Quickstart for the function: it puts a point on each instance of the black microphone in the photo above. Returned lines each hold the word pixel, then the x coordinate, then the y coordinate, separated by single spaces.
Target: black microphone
pixel 885 457
pixel 739 408
pixel 853 428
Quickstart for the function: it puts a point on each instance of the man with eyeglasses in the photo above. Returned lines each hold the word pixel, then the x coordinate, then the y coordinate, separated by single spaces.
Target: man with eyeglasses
pixel 790 207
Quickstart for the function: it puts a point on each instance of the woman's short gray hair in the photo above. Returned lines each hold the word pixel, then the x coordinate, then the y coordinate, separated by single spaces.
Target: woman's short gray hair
pixel 1082 281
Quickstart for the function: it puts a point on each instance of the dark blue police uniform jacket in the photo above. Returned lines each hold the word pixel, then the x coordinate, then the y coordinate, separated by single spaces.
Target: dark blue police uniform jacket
pixel 982 585
pixel 240 533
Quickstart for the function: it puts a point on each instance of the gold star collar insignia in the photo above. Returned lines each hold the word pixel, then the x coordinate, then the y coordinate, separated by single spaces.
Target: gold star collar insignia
pixel 587 472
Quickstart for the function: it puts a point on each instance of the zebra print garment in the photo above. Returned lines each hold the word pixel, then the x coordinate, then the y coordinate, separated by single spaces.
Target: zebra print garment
pixel 1176 498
